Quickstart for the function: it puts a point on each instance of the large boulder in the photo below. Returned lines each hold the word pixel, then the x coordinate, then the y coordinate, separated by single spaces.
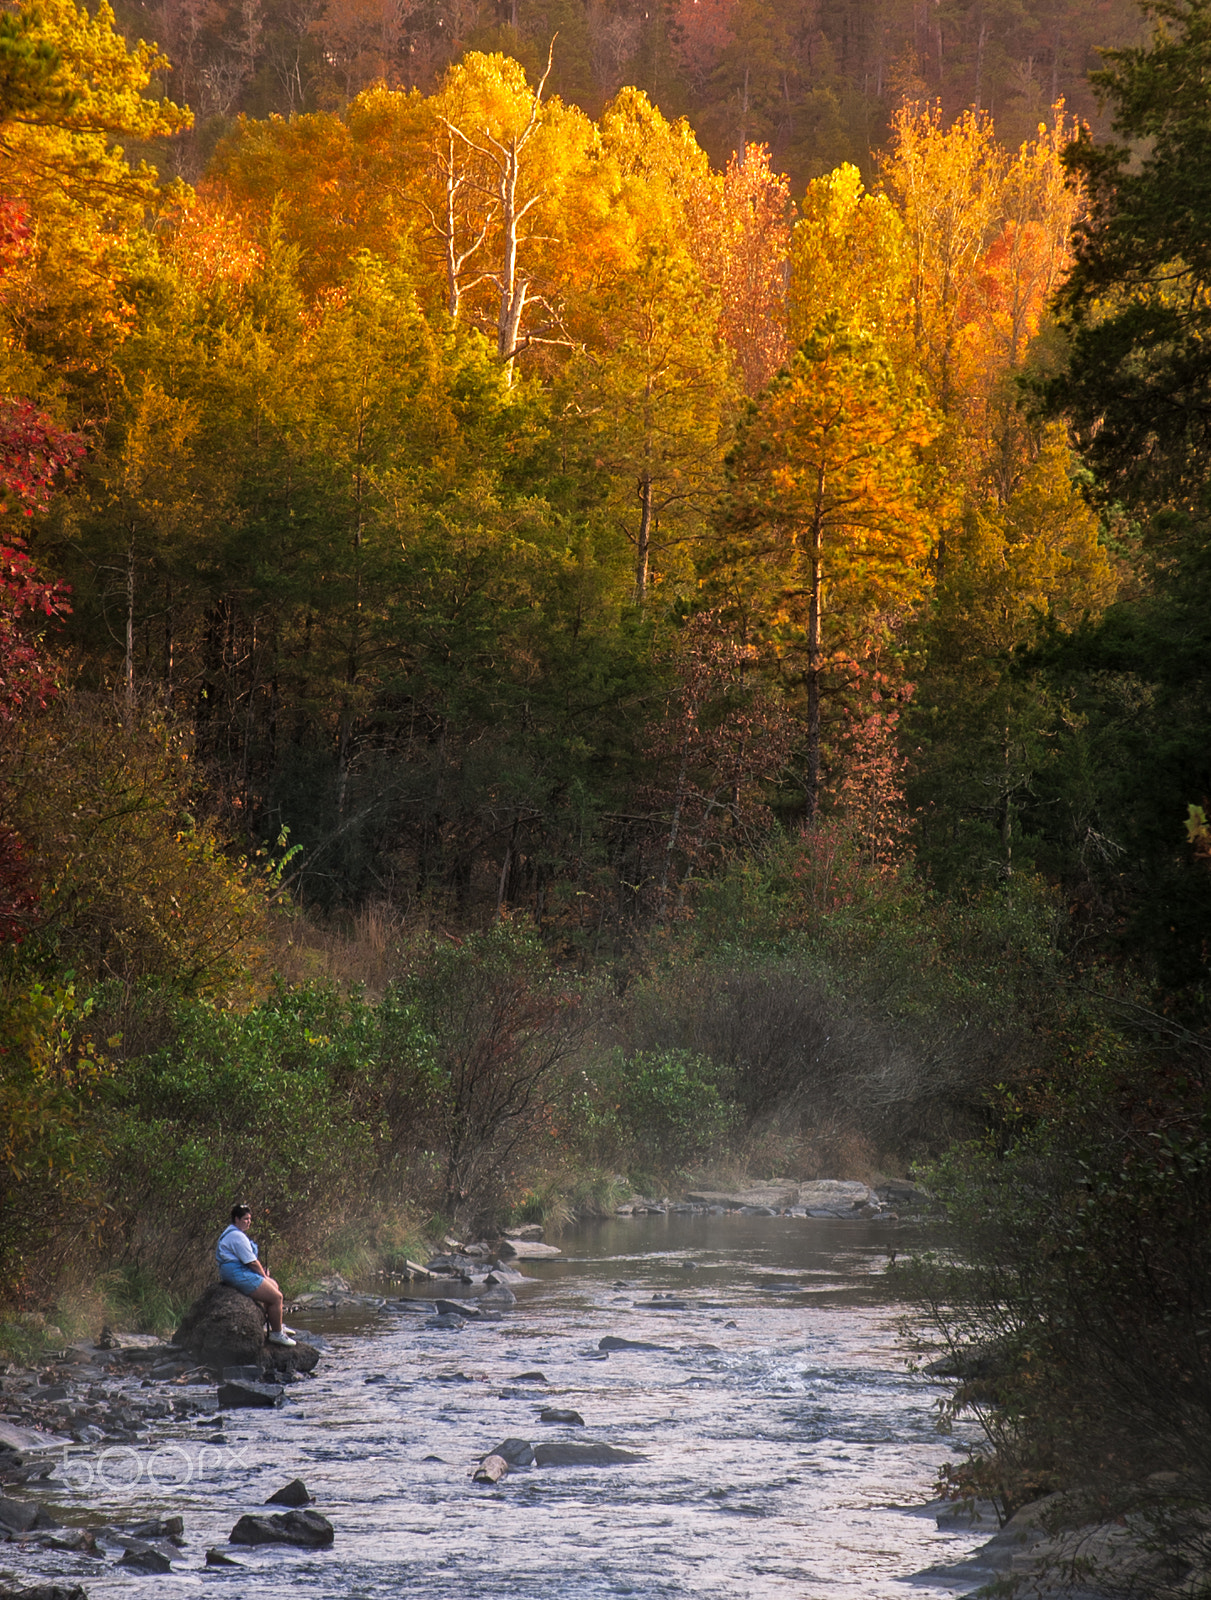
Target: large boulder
pixel 224 1328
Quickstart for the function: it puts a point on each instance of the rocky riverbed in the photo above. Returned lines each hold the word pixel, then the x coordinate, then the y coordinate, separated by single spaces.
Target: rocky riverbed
pixel 666 1405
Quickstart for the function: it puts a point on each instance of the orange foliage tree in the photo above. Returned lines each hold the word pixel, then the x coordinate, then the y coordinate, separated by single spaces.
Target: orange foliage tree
pixel 741 236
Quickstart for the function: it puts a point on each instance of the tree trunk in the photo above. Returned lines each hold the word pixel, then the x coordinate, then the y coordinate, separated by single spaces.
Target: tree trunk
pixel 815 656
pixel 643 543
pixel 453 287
pixel 512 289
pixel 169 642
pixel 130 626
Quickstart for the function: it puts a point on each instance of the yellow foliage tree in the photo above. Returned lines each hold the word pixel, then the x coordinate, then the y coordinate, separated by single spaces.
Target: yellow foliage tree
pixel 85 204
pixel 130 883
pixel 1036 560
pixel 504 194
pixel 987 236
pixel 829 529
pixel 849 259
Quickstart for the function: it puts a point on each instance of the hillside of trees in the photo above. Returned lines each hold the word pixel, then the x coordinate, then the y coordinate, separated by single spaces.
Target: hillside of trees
pixel 586 597
pixel 817 81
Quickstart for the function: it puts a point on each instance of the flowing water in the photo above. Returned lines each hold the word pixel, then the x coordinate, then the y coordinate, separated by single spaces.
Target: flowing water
pixel 787 1450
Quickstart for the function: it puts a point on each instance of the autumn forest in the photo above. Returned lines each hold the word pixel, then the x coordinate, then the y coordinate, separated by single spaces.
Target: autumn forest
pixel 588 595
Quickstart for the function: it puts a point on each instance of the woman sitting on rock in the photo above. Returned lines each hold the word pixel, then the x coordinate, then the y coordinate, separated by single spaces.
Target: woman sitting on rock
pixel 236 1255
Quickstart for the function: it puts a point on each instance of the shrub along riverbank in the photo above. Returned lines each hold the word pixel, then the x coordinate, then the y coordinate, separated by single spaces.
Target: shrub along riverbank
pixel 786 1027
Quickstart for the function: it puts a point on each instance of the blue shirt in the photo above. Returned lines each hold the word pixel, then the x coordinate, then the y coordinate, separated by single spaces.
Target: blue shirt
pixel 235 1245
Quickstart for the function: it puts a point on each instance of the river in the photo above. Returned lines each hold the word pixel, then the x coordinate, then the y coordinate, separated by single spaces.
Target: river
pixel 787 1450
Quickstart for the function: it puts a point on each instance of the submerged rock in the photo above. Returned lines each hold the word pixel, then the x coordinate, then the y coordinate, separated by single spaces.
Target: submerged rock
pixel 219 1558
pixel 583 1455
pixel 612 1341
pixel 500 1296
pixel 306 1529
pixel 554 1414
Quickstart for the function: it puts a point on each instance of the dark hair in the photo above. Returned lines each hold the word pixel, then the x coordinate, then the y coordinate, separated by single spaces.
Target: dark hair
pixel 240 1210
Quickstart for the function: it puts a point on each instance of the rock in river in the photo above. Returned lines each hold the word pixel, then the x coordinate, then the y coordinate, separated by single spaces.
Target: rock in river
pixel 582 1455
pixel 456 1308
pixel 294 1494
pixel 224 1328
pixel 613 1342
pixel 573 1419
pixel 264 1395
pixel 520 1453
pixel 44 1591
pixel 498 1296
pixel 17 1516
pixel 24 1516
pixel 307 1529
pixel 146 1559
pixel 517 1452
pixel 527 1250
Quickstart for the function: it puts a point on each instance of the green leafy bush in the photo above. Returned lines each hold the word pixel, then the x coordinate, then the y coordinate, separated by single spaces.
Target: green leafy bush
pixel 305 1104
pixel 659 1112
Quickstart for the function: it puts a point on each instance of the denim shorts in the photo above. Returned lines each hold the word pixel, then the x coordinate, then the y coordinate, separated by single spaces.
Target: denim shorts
pixel 240 1277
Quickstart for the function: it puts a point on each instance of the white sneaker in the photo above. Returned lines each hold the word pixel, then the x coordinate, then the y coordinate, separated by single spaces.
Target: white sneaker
pixel 280 1338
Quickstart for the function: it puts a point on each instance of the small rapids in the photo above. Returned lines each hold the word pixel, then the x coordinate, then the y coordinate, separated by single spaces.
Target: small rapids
pixel 787 1450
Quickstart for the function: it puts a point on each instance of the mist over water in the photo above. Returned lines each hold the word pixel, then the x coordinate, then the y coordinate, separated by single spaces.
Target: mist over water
pixel 788 1451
